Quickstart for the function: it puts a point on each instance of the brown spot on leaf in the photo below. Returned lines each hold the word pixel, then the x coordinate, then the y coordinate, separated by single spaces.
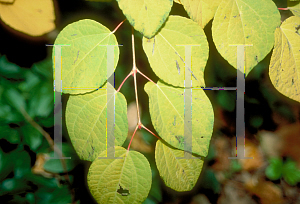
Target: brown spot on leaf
pixel 123 191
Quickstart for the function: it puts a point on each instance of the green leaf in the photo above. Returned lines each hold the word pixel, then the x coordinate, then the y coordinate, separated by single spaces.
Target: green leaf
pixel 146 16
pixel 201 11
pixel 22 164
pixel 155 193
pixel 294 7
pixel 9 69
pixel 30 198
pixel 166 108
pixel 226 100
pixel 290 172
pixel 47 122
pixel 256 121
pixel 31 80
pixel 120 181
pixel 32 137
pixel 150 201
pixel 41 181
pixel 14 98
pixel 5 111
pixel 235 166
pixel 245 22
pixel 14 186
pixel 284 68
pixel 166 53
pixel 6 164
pixel 209 181
pixel 211 153
pixel 84 62
pixel 55 165
pixel 86 117
pixel 178 174
pixel 274 170
pixel 41 100
pixel 44 68
pixel 10 134
pixel 61 196
pixel 43 196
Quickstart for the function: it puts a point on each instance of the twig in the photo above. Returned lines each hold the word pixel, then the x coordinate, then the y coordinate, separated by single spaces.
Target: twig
pixel 134 71
pixel 132 137
pixel 118 26
pixel 283 9
pixel 150 132
pixel 124 81
pixel 145 76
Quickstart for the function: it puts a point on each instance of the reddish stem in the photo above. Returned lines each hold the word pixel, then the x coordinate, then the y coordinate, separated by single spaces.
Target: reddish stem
pixel 283 9
pixel 132 138
pixel 134 71
pixel 124 81
pixel 118 26
pixel 145 76
pixel 150 131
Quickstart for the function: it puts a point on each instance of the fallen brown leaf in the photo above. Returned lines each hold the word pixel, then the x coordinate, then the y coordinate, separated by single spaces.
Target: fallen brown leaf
pixel 38 167
pixel 267 191
pixel 252 150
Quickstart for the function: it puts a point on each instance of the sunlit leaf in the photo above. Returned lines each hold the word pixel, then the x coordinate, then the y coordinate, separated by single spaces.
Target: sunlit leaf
pixel 294 7
pixel 86 120
pixel 166 106
pixel 201 11
pixel 84 62
pixel 166 51
pixel 285 61
pixel 33 17
pixel 146 16
pixel 250 22
pixel 120 181
pixel 178 174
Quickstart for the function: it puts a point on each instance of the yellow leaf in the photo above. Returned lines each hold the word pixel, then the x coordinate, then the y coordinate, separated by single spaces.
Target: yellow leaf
pixel 294 7
pixel 7 1
pixel 33 17
pixel 177 1
pixel 245 22
pixel 285 61
pixel 201 11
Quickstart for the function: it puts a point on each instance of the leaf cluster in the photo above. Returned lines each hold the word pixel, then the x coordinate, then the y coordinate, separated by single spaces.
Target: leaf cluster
pixel 255 24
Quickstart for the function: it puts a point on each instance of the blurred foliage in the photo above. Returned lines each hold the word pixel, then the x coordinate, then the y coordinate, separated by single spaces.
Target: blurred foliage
pixel 20 142
pixel 288 170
